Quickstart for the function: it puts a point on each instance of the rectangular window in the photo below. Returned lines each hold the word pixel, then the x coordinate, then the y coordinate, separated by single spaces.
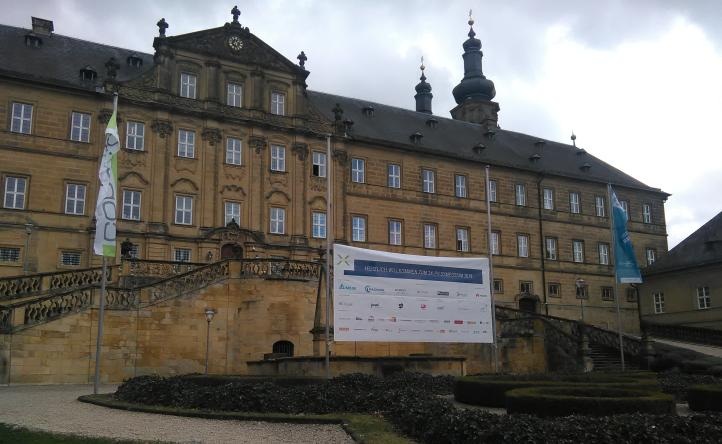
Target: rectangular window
pixel 658 301
pixel 80 127
pixel 625 207
pixel 233 151
pixel 318 225
pixel 358 229
pixel 462 239
pixel 526 287
pixel 498 286
pixel 548 199
pixel 604 254
pixel 428 181
pixel 492 191
pixel 647 213
pixel 184 210
pixel 231 212
pixel 188 85
pixel 395 232
pixel 460 188
pixel 278 158
pixel 70 258
pixel 429 236
pixel 631 294
pixel 319 164
pixel 278 220
pixel 358 170
pixel 495 244
pixel 235 95
pixel 554 290
pixel 520 194
pixel 22 118
pixel 131 205
pixel 186 143
pixel 394 176
pixel 522 245
pixel 578 251
pixel 182 255
pixel 600 206
pixel 651 256
pixel 574 203
pixel 703 298
pixel 607 293
pixel 74 199
pixel 278 103
pixel 551 248
pixel 9 255
pixel 15 190
pixel 135 136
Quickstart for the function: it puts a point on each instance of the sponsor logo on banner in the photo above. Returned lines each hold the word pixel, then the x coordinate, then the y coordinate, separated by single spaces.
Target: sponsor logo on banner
pixel 439 307
pixel 458 322
pixel 392 319
pixel 359 318
pixel 346 286
pixel 372 289
pixel 424 306
pixel 343 329
pixel 401 305
pixel 461 295
pixel 375 305
pixel 442 293
pixel 400 290
pixel 346 304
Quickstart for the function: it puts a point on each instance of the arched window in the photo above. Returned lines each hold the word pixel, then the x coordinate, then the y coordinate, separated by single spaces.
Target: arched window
pixel 285 347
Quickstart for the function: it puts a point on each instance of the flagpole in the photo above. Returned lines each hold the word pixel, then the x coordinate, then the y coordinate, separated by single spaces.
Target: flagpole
pixel 491 273
pixel 329 238
pixel 99 339
pixel 616 280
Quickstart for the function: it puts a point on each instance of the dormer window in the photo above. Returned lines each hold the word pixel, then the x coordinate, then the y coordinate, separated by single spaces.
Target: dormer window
pixel 535 157
pixel 490 133
pixel 88 73
pixel 585 167
pixel 431 122
pixel 479 148
pixel 368 111
pixel 134 61
pixel 33 41
pixel 416 137
pixel 188 85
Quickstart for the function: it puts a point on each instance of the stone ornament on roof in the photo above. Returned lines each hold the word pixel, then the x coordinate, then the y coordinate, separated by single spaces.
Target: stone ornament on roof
pixel 302 59
pixel 162 26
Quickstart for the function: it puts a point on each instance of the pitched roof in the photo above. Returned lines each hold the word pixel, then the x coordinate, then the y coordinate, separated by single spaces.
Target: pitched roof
pixel 703 247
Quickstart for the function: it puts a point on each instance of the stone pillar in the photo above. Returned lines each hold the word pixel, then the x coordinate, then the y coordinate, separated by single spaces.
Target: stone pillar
pixel 213 80
pixel 585 353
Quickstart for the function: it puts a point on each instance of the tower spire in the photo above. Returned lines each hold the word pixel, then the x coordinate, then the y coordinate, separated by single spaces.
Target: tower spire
pixel 423 92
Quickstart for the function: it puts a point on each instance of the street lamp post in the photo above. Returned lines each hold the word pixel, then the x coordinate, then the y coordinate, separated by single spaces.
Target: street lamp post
pixel 209 312
pixel 581 294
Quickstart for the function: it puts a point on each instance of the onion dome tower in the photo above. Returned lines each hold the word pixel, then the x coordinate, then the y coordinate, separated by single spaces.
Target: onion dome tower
pixel 423 93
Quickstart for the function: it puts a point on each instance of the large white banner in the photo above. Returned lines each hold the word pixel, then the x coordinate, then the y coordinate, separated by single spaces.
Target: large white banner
pixel 380 296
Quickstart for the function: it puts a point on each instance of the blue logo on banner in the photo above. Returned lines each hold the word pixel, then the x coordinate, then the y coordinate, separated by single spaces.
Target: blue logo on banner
pixel 419 272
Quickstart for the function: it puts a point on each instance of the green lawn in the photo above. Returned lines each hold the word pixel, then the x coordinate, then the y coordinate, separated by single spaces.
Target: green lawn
pixel 10 434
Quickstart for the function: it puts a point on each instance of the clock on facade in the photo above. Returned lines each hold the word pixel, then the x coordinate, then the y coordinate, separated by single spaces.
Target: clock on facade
pixel 235 43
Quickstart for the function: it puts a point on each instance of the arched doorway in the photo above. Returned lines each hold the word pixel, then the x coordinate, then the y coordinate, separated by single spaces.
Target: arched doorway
pixel 528 302
pixel 283 347
pixel 231 251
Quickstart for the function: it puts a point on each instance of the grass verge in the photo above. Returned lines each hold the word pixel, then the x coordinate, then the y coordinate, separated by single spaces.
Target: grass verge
pixel 13 434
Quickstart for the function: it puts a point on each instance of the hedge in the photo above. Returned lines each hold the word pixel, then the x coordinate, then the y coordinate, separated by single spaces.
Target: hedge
pixel 705 397
pixel 597 401
pixel 490 392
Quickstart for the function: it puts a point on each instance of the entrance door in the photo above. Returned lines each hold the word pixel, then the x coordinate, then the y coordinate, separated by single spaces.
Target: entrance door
pixel 231 251
pixel 527 304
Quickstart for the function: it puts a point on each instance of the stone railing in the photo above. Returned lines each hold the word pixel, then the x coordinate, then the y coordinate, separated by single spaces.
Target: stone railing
pixel 43 309
pixel 684 333
pixel 280 269
pixel 6 319
pixel 607 338
pixel 144 267
pixel 15 287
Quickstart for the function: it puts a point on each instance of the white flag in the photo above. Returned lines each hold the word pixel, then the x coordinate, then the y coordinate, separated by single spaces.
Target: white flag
pixel 105 209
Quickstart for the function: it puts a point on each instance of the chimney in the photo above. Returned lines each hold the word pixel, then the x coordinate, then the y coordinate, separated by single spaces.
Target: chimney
pixel 42 26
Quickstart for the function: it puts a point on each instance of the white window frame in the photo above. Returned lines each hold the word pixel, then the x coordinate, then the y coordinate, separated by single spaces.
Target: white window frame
pixel 231 211
pixel 318 225
pixel 319 164
pixel 394 175
pixel 608 294
pixel 70 258
pixel 492 191
pixel 12 195
pixel 429 235
pixel 358 170
pixel 557 293
pixel 578 251
pixel 658 302
pixel 428 180
pixel 520 194
pixel 548 199
pixel 575 205
pixel 495 244
pixel 183 209
pixel 278 103
pixel 603 253
pixel 131 208
pixel 188 82
pixel 704 300
pixel 135 136
pixel 10 255
pixel 600 206
pixel 234 151
pixel 358 228
pixel 647 213
pixel 462 239
pixel 650 255
pixel 395 232
pixel 186 143
pixel 75 198
pixel 460 185
pixel 182 254
pixel 234 94
pixel 21 120
pixel 278 158
pixel 550 247
pixel 80 127
pixel 522 245
pixel 277 220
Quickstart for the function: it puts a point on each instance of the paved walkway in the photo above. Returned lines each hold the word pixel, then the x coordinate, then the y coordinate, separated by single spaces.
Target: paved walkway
pixel 709 350
pixel 55 408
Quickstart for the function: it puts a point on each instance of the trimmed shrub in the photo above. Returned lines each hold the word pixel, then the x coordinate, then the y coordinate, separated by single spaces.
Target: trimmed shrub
pixel 705 397
pixel 597 401
pixel 677 384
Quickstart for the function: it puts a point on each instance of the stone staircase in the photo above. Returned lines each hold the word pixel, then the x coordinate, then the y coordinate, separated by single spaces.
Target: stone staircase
pixel 606 359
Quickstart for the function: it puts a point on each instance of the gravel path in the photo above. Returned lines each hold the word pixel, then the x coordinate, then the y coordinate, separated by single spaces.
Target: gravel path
pixel 56 408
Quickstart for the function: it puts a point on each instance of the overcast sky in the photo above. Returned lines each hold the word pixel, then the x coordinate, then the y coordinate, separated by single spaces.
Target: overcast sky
pixel 639 82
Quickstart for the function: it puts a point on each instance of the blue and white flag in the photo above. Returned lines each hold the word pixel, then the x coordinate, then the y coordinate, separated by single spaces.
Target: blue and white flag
pixel 625 263
pixel 105 209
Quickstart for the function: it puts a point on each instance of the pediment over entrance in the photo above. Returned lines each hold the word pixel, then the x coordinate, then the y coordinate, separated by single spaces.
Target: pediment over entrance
pixel 235 234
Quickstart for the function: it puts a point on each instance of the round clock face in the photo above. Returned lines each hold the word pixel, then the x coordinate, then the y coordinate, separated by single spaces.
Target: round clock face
pixel 235 43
